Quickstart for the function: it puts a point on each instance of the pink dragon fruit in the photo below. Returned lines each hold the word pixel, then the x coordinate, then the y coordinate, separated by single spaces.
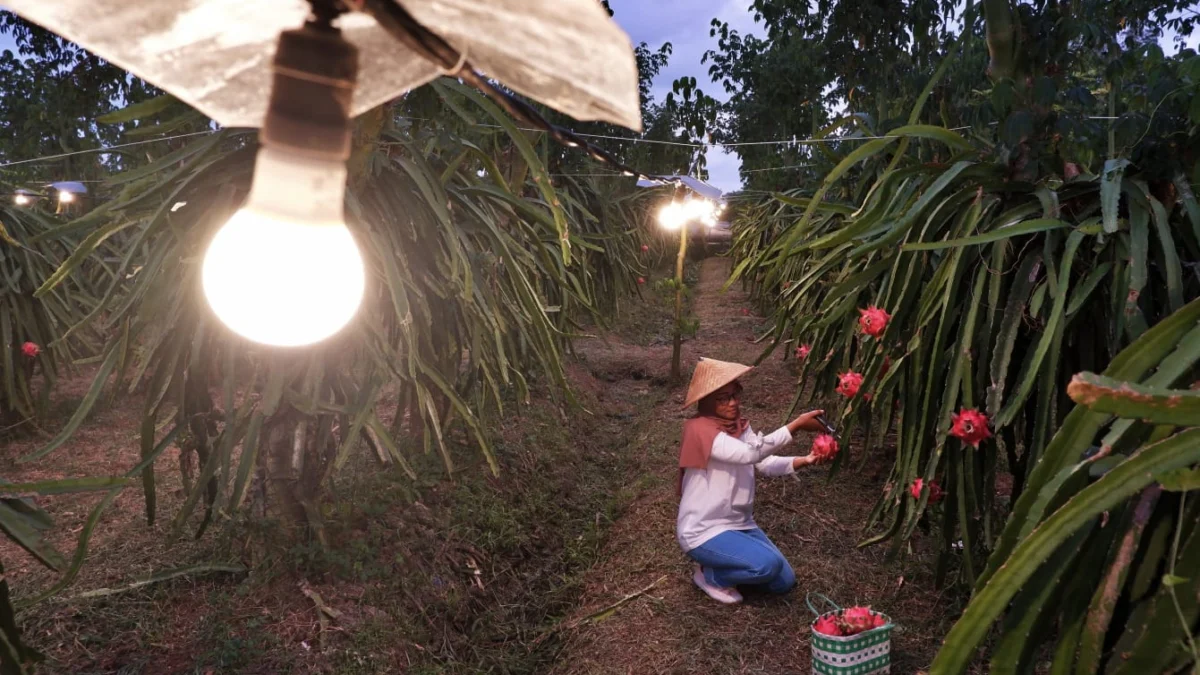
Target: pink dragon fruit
pixel 824 447
pixel 971 426
pixel 802 351
pixel 828 625
pixel 855 620
pixel 873 320
pixel 848 383
pixel 935 490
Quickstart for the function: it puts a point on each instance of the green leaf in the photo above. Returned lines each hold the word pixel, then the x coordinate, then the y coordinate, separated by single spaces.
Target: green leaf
pixel 25 529
pixel 1026 227
pixel 1180 480
pixel 1170 580
pixel 1116 486
pixel 63 486
pixel 1079 429
pixel 166 575
pixel 1156 405
pixel 139 110
pixel 1110 192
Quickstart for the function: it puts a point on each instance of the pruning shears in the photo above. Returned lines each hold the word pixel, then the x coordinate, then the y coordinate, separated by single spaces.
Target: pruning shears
pixel 829 428
pixel 824 422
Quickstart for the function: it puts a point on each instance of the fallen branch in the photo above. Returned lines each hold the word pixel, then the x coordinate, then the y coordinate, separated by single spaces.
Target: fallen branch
pixel 162 576
pixel 324 611
pixel 596 617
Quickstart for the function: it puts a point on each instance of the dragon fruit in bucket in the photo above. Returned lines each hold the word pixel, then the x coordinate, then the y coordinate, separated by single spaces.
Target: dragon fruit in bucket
pixel 850 621
pixel 828 625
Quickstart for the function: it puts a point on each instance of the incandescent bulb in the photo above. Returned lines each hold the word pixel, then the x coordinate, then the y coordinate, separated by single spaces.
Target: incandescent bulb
pixel 672 216
pixel 65 197
pixel 285 270
pixel 22 199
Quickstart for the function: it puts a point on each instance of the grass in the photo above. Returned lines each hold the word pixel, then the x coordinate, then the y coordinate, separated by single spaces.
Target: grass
pixel 477 573
pixel 438 575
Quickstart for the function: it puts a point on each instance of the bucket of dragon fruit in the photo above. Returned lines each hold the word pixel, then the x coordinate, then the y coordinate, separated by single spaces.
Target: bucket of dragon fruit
pixel 850 641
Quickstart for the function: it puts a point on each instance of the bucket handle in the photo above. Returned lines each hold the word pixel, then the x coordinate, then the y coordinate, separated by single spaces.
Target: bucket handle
pixel 808 601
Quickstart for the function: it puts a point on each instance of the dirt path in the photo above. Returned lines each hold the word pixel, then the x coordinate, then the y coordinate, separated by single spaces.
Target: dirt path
pixel 673 627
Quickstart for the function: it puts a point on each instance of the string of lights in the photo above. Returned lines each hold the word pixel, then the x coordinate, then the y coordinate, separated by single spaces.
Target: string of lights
pixel 397 21
pixel 618 171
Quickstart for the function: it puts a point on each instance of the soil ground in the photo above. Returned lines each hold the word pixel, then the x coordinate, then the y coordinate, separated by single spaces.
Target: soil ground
pixel 816 522
pixel 565 563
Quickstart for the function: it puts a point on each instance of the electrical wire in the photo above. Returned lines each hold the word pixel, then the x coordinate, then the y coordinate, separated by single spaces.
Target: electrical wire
pixel 397 21
pixel 109 148
pixel 776 168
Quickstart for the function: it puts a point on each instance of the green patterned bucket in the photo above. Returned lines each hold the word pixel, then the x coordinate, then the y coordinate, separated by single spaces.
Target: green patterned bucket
pixel 868 653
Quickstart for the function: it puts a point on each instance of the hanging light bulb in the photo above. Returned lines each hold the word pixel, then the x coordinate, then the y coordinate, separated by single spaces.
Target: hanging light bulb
pixel 672 216
pixel 285 269
pixel 22 199
pixel 65 197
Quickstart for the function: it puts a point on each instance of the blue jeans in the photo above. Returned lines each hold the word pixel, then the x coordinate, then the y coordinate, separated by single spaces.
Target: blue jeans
pixel 744 558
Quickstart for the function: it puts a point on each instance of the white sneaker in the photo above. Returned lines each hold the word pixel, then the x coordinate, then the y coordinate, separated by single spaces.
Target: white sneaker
pixel 727 596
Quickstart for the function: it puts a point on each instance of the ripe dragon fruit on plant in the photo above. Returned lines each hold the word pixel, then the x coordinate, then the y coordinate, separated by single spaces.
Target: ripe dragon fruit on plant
pixel 802 351
pixel 935 490
pixel 971 426
pixel 30 350
pixel 873 321
pixel 848 383
pixel 824 447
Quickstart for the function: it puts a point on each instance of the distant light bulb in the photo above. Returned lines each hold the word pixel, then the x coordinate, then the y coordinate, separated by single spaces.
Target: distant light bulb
pixel 285 270
pixel 22 200
pixel 672 216
pixel 65 197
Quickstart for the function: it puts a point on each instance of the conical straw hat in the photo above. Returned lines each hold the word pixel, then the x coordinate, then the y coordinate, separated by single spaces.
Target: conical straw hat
pixel 710 375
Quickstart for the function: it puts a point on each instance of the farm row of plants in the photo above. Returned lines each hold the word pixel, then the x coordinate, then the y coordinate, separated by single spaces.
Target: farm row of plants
pixel 1005 288
pixel 481 268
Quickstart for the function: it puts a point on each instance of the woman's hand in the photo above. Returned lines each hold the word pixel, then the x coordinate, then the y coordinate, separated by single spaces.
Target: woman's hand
pixel 806 460
pixel 806 422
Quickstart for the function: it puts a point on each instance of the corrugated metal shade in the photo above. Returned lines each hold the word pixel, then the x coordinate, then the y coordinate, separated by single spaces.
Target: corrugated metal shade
pixel 216 54
pixel 695 184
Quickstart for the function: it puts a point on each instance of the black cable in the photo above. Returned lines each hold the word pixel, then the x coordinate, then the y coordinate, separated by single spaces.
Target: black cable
pixel 401 25
pixel 325 11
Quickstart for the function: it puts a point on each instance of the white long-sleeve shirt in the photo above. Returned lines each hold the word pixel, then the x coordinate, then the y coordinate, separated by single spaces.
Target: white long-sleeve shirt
pixel 721 497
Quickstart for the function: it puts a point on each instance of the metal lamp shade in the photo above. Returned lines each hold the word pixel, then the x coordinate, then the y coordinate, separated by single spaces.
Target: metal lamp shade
pixel 216 55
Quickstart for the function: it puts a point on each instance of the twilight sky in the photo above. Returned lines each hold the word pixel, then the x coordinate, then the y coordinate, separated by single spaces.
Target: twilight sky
pixel 685 24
